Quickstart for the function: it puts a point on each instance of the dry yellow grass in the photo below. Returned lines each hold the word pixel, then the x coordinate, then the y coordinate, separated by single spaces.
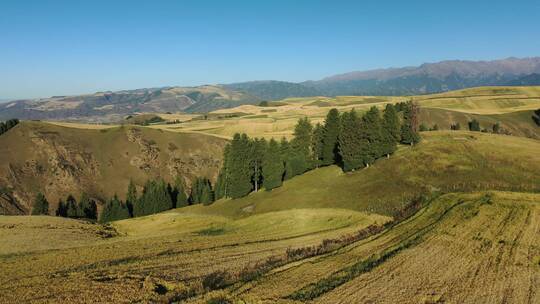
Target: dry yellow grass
pixel 78 125
pixel 159 249
pixel 480 247
pixel 278 121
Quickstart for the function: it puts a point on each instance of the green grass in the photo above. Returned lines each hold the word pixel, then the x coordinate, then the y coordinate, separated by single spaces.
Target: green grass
pixel 447 161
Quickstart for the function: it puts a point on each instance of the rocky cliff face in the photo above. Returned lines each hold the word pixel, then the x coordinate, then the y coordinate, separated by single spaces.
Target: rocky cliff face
pixel 59 161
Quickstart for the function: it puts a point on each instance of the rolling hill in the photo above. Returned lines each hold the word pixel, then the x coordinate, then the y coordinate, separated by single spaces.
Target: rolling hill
pixel 469 242
pixel 425 79
pixel 60 160
pixel 510 106
pixel 113 106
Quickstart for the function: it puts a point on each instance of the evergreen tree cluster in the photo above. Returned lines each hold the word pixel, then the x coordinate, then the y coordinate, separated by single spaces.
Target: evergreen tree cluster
pixel 348 140
pixel 156 196
pixel 5 126
pixel 85 208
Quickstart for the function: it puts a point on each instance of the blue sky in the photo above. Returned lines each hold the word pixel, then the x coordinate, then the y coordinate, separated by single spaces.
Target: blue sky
pixel 72 47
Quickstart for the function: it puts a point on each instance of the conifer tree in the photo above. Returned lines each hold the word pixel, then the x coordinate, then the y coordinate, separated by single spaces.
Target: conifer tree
pixel 155 198
pixel 114 210
pixel 373 144
pixel 390 130
pixel 223 180
pixel 207 195
pixel 131 196
pixel 330 153
pixel 201 191
pixel 285 153
pixel 220 186
pixel 72 208
pixel 41 205
pixel 350 141
pixel 536 117
pixel 87 207
pixel 181 198
pixel 474 125
pixel 273 166
pixel 409 128
pixel 256 155
pixel 301 156
pixel 61 209
pixel 240 169
pixel 317 145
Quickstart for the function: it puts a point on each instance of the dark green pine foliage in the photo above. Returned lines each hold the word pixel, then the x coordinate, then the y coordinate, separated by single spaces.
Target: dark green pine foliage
pixel 317 145
pixel 87 207
pixel 390 130
pixel 179 190
pixel 114 210
pixel 201 191
pixel 5 126
pixel 373 144
pixel 409 128
pixel 273 166
pixel 240 168
pixel 131 197
pixel 301 156
pixel 223 181
pixel 41 205
pixel 256 155
pixel 155 198
pixel 61 210
pixel 221 185
pixel 536 117
pixel 474 125
pixel 285 152
pixel 350 141
pixel 72 209
pixel 330 152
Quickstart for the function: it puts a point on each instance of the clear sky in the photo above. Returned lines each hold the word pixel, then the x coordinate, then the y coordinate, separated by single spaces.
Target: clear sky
pixel 71 47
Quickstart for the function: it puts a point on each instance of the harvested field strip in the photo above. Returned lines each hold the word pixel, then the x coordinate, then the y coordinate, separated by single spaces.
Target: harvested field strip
pixel 434 219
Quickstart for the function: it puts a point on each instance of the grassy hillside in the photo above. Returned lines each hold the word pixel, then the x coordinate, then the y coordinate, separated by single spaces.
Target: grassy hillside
pixel 484 100
pixel 444 161
pixel 58 160
pixel 508 105
pixel 461 247
pixel 518 123
pixel 172 255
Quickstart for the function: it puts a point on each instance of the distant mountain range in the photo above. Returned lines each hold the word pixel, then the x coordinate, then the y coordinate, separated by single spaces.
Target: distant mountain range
pixel 424 79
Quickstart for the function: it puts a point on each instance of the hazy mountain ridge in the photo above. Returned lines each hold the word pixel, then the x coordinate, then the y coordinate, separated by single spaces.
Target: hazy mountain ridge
pixel 424 79
pixel 113 106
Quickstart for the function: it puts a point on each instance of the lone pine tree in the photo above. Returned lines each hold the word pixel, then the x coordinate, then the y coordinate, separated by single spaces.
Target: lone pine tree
pixel 409 128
